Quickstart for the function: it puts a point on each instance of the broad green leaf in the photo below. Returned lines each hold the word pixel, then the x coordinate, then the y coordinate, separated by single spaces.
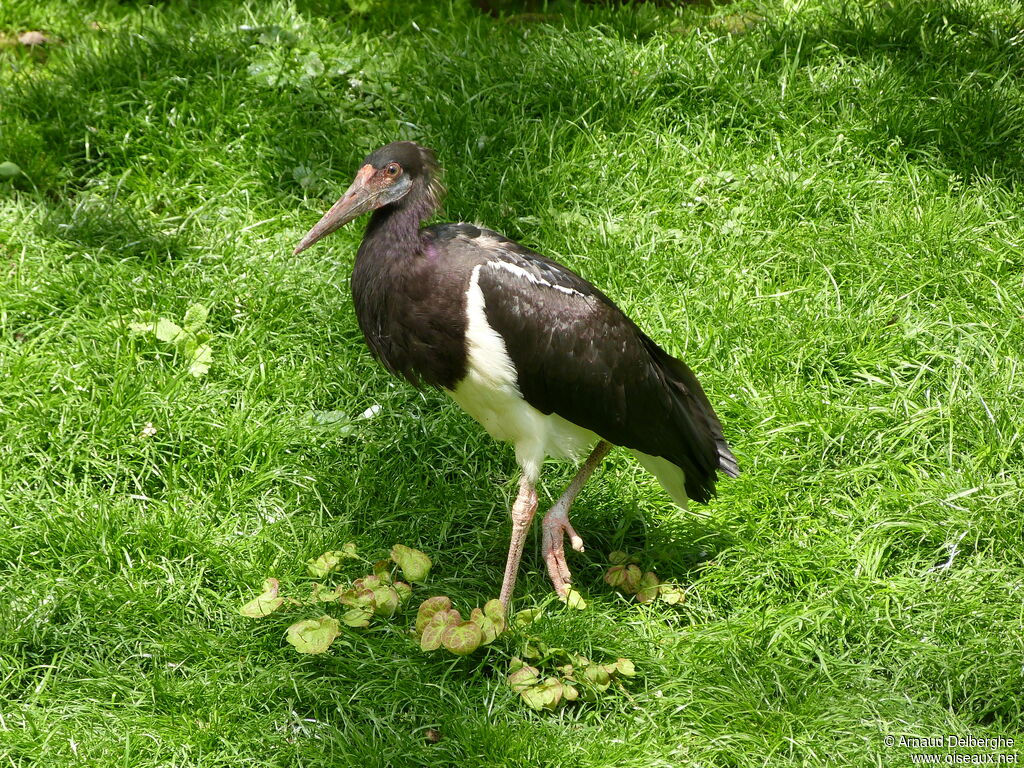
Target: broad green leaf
pixel 462 638
pixel 313 635
pixel 648 590
pixel 672 594
pixel 559 654
pixel 523 677
pixel 495 611
pixel 386 600
pixel 430 637
pixel 526 617
pixel 433 632
pixel 569 693
pixel 167 330
pixel 201 360
pixel 486 624
pixel 146 324
pixel 633 578
pixel 618 557
pixel 366 582
pixel 553 687
pixel 535 649
pixel 266 603
pixel 451 616
pixel 596 675
pixel 195 317
pixel 361 6
pixel 414 564
pixel 624 577
pixel 625 667
pixel 615 576
pixel 546 695
pixel 358 598
pixel 325 594
pixel 579 660
pixel 9 170
pixel 357 617
pixel 534 697
pixel 574 599
pixel 428 608
pixel 382 570
pixel 326 564
pixel 404 591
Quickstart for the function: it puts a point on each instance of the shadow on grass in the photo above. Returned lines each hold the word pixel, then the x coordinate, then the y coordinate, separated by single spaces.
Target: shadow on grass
pixel 940 80
pixel 937 81
pixel 113 229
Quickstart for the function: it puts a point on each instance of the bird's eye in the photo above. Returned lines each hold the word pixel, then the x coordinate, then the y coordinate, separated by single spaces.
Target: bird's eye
pixel 393 169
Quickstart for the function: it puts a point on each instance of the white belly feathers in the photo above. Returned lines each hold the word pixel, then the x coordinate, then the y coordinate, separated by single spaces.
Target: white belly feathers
pixel 490 394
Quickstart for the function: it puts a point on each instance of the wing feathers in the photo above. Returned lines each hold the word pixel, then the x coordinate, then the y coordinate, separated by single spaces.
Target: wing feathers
pixel 576 354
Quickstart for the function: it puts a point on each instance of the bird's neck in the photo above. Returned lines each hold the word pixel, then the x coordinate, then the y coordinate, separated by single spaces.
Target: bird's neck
pixel 395 229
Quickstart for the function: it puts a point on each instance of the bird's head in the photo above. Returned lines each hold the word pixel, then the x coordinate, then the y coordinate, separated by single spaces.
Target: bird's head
pixel 399 173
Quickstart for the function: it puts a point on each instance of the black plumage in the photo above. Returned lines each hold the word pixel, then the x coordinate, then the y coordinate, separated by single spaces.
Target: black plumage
pixel 621 385
pixel 455 306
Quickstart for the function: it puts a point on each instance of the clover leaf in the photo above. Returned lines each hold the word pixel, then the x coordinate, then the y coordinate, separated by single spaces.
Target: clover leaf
pixel 313 635
pixel 264 604
pixel 414 564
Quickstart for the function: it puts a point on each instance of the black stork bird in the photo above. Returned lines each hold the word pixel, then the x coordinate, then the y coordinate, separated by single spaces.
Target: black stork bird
pixel 536 354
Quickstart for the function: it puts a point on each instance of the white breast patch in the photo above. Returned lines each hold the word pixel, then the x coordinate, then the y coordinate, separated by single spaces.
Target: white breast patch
pixel 490 394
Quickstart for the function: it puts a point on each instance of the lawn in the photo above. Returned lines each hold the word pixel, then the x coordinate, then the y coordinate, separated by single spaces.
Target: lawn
pixel 816 204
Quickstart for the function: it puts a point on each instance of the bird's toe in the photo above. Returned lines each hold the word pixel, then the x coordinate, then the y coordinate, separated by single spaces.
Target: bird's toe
pixel 575 539
pixel 558 571
pixel 556 527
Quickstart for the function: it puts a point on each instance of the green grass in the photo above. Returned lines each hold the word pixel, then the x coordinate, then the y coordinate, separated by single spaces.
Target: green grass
pixel 820 213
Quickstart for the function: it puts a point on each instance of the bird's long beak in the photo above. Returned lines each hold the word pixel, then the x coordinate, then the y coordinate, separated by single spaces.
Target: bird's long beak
pixel 357 200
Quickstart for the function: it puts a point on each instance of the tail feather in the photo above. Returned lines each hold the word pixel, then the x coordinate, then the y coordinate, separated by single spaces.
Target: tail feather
pixel 671 477
pixel 726 461
pixel 693 404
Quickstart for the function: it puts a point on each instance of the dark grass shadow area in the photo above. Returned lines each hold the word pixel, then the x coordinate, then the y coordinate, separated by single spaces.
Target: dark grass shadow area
pixel 62 119
pixel 114 229
pixel 939 80
pixel 106 109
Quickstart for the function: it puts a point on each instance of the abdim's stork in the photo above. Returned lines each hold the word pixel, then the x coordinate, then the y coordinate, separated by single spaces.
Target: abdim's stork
pixel 531 350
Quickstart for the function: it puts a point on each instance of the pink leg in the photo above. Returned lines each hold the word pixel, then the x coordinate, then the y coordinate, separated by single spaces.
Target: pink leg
pixel 522 515
pixel 556 523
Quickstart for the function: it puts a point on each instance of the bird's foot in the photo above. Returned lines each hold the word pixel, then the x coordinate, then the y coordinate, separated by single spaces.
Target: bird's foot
pixel 522 516
pixel 556 526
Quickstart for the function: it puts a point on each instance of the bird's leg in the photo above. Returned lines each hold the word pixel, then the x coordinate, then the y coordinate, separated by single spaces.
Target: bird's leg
pixel 556 523
pixel 522 515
